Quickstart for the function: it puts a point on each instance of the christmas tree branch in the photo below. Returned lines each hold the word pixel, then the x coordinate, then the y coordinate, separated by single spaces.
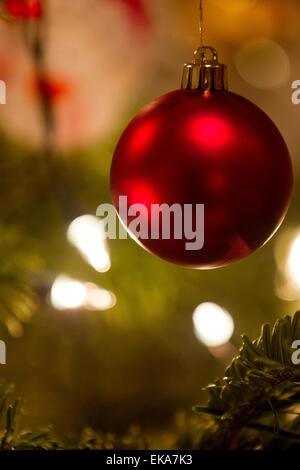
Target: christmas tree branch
pixel 261 383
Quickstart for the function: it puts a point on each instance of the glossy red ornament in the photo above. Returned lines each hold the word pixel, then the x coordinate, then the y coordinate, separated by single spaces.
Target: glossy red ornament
pixel 213 148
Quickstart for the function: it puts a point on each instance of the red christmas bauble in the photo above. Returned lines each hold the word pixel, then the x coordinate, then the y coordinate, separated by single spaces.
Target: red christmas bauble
pixel 206 147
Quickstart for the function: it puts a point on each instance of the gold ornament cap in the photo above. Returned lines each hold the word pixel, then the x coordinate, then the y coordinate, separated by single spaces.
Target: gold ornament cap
pixel 205 73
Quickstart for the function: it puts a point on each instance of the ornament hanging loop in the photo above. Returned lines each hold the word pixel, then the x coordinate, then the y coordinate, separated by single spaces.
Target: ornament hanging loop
pixel 205 55
pixel 205 72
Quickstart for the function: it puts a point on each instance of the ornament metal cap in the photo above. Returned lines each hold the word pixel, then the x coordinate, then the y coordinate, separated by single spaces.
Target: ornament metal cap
pixel 205 73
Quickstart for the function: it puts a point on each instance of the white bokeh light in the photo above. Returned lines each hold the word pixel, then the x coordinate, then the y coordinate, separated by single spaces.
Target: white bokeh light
pixel 213 325
pixel 87 234
pixel 67 293
pixel 293 261
pixel 99 299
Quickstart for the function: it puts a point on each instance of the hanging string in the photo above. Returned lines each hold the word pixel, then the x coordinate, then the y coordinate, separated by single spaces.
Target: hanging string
pixel 201 23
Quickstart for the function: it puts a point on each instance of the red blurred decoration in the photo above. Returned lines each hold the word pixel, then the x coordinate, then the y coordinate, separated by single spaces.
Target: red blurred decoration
pixel 137 11
pixel 25 8
pixel 50 88
pixel 213 148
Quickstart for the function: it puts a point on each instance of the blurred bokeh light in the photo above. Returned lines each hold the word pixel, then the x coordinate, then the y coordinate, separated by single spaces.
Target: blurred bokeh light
pixel 66 293
pixel 263 63
pixel 99 299
pixel 293 262
pixel 213 325
pixel 87 234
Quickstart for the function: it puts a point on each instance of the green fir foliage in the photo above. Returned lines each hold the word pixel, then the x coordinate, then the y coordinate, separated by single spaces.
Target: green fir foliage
pixel 254 406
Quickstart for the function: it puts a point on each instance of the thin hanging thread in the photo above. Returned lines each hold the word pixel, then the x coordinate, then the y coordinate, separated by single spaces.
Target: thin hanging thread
pixel 201 23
